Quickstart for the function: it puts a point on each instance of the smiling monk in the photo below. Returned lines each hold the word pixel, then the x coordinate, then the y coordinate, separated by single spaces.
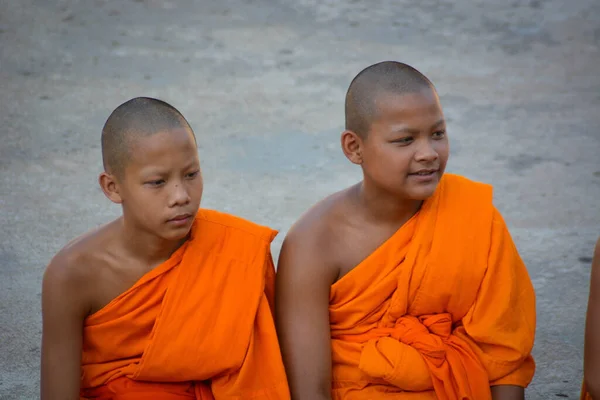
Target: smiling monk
pixel 168 301
pixel 406 285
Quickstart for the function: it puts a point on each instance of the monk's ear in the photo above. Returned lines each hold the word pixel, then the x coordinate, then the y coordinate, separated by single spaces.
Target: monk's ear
pixel 352 146
pixel 110 187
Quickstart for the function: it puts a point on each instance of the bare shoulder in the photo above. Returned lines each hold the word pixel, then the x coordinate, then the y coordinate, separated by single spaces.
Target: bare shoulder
pixel 68 288
pixel 596 259
pixel 314 223
pixel 312 240
pixel 69 263
pixel 71 271
pixel 306 269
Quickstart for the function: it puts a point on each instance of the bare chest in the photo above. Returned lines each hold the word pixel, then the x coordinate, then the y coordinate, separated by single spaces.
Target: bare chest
pixel 354 245
pixel 113 280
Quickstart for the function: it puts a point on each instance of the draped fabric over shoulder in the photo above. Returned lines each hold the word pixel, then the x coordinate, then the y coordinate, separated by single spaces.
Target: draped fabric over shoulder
pixel 199 326
pixel 443 309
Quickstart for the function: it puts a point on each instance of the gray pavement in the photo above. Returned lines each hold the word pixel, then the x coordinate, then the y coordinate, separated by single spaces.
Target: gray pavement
pixel 262 83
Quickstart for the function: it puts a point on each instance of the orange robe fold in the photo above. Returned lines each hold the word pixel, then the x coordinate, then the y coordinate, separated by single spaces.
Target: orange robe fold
pixel 444 309
pixel 198 326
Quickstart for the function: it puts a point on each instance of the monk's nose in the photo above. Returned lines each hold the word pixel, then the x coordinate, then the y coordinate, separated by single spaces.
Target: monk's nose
pixel 426 152
pixel 179 195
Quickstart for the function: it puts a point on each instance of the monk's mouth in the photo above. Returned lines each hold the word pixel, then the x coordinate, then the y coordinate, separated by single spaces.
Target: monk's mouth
pixel 181 219
pixel 425 173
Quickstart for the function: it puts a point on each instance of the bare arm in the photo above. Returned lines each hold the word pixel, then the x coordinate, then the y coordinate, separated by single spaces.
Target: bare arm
pixel 302 314
pixel 592 330
pixel 508 392
pixel 63 311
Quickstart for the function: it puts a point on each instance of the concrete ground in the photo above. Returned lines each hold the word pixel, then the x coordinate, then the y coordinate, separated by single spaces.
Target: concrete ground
pixel 263 84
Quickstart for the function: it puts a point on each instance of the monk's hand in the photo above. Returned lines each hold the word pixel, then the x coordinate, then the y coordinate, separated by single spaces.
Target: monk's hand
pixel 508 392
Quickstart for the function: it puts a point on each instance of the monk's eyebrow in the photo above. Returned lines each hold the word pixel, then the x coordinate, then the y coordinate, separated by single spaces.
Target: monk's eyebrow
pixel 192 164
pixel 150 171
pixel 440 122
pixel 412 131
pixel 405 129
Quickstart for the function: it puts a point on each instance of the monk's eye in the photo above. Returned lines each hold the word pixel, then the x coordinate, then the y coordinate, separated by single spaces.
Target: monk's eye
pixel 192 175
pixel 439 134
pixel 156 183
pixel 404 140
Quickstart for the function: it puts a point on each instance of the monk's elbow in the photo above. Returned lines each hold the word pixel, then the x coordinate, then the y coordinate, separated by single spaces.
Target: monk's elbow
pixel 594 392
pixel 322 393
pixel 592 384
pixel 312 396
pixel 305 391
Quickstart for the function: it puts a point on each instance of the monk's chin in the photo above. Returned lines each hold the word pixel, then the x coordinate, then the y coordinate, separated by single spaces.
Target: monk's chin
pixel 176 235
pixel 421 193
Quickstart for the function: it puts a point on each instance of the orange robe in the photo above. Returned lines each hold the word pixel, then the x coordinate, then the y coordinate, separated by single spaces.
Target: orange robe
pixel 198 326
pixel 443 309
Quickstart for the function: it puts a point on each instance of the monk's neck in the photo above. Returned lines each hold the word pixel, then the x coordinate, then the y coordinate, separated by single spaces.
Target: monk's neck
pixel 383 207
pixel 145 246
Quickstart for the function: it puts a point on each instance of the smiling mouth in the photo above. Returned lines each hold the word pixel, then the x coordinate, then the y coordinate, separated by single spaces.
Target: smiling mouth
pixel 425 172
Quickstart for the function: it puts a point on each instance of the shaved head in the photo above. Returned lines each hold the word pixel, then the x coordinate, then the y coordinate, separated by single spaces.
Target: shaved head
pixel 388 77
pixel 137 118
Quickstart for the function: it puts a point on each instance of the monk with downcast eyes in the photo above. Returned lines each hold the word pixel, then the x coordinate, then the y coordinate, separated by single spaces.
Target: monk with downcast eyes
pixel 169 301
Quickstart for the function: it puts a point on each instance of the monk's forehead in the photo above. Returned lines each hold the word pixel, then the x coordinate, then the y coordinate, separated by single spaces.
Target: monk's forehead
pixel 149 152
pixel 136 139
pixel 382 99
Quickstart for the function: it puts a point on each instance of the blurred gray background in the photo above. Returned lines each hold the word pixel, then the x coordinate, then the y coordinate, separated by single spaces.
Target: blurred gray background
pixel 263 83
